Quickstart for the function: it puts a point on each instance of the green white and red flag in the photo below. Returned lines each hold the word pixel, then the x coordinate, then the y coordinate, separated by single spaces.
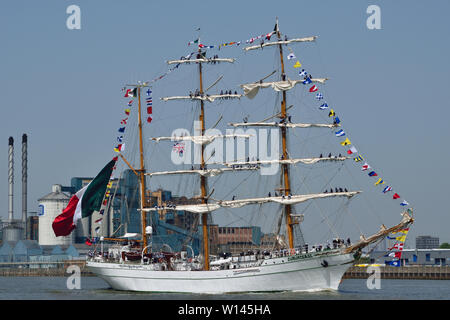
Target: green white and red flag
pixel 84 202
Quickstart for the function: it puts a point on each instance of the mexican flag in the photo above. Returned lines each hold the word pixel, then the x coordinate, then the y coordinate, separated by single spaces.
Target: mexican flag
pixel 84 202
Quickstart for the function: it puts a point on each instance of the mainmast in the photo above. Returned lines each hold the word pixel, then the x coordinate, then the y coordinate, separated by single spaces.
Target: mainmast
pixel 285 166
pixel 202 167
pixel 202 139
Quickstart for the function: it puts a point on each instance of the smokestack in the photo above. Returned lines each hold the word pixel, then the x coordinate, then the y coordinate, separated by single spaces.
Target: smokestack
pixel 11 178
pixel 24 178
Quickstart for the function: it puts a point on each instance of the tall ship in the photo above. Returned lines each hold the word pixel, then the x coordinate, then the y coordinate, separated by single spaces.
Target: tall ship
pixel 280 259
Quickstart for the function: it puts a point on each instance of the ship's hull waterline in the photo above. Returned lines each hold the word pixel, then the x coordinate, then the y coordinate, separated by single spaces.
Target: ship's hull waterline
pixel 280 274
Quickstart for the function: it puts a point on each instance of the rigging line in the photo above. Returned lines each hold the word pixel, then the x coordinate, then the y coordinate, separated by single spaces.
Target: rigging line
pixel 236 217
pixel 245 179
pixel 354 221
pixel 368 203
pixel 320 212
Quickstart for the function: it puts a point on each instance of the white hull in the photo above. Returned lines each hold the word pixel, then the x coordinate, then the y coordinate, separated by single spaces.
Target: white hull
pixel 295 273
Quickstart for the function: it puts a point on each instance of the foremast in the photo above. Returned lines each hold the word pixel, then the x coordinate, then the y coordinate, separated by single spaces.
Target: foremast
pixel 141 170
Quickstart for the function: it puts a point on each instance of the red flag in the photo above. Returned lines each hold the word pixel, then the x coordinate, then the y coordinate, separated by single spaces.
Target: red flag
pixel 313 89
pixel 395 196
pixel 88 242
pixel 149 110
pixel 149 119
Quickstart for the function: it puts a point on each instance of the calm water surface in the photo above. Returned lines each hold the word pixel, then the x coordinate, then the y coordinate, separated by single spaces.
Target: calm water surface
pixel 93 288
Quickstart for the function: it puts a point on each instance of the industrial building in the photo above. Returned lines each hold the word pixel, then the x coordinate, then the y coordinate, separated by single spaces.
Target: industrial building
pixel 427 242
pixel 427 257
pixel 30 254
pixel 426 253
pixel 50 206
pixel 15 229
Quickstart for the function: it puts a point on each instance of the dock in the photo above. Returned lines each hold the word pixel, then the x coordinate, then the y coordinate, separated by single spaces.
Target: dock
pixel 405 272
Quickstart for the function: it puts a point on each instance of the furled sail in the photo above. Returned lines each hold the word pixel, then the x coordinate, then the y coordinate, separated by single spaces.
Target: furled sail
pixel 251 89
pixel 205 172
pixel 288 125
pixel 204 97
pixel 275 43
pixel 284 200
pixel 201 139
pixel 287 161
pixel 202 60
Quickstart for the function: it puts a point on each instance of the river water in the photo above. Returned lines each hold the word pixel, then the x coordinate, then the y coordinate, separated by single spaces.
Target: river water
pixel 93 288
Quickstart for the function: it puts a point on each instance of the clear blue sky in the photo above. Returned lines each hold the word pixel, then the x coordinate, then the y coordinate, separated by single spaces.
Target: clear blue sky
pixel 62 87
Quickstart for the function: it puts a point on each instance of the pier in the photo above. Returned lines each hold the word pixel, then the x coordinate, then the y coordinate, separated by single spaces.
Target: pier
pixel 406 272
pixel 41 269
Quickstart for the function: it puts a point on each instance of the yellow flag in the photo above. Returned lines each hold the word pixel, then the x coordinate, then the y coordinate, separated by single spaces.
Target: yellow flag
pixel 346 142
pixel 297 64
pixel 401 238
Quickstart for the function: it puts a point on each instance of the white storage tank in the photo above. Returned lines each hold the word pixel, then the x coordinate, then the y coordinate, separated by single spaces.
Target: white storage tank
pixel 50 206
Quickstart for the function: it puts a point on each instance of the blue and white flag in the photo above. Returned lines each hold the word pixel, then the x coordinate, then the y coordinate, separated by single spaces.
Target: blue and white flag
pixel 302 73
pixel 395 263
pixel 120 139
pixel 319 96
pixel 404 203
pixel 323 106
pixel 307 80
pixel 291 56
pixel 340 133
pixel 149 92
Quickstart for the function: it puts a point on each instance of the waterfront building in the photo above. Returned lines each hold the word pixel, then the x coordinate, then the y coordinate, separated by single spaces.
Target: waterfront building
pixel 6 251
pixel 427 242
pixel 50 206
pixel 415 257
pixel 426 257
pixel 32 229
pixel 33 255
pixel 24 250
